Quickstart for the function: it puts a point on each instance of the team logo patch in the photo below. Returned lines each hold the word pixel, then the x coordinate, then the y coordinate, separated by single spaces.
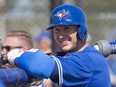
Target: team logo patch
pixel 61 14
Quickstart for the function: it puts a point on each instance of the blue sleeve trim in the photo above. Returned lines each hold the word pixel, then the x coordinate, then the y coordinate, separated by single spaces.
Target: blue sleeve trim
pixel 60 70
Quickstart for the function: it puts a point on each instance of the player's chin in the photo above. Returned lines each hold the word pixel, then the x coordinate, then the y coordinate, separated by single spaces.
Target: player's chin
pixel 66 48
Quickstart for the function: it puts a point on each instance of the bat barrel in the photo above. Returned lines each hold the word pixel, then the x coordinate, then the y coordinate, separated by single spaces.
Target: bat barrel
pixel 104 47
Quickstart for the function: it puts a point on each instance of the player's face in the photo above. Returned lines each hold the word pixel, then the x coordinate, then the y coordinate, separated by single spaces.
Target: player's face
pixel 66 37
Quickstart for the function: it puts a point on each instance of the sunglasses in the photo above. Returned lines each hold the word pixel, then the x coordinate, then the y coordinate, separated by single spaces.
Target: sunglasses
pixel 8 48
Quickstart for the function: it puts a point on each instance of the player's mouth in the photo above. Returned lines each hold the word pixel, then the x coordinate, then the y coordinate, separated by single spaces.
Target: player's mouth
pixel 64 43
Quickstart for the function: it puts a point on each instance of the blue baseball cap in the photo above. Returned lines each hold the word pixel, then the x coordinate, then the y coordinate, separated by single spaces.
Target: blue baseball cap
pixel 43 35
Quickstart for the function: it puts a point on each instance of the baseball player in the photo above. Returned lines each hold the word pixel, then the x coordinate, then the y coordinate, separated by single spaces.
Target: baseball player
pixel 79 65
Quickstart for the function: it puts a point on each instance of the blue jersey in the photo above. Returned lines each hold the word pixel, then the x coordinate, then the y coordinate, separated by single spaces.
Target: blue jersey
pixel 87 68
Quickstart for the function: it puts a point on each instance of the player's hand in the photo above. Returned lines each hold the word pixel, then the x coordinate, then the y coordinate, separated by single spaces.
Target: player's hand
pixel 14 54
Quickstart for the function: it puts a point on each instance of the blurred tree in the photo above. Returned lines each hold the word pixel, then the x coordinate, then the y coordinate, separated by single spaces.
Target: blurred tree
pixel 55 3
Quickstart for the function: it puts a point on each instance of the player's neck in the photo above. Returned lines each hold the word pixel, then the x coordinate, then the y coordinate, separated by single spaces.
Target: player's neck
pixel 80 46
pixel 83 46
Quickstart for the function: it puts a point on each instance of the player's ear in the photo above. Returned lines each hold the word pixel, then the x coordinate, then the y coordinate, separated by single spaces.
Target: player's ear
pixel 78 28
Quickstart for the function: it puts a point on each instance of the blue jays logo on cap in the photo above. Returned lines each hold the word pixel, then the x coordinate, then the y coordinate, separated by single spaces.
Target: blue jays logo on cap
pixel 61 14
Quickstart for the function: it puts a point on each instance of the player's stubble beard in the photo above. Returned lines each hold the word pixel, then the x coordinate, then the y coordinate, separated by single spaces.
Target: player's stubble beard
pixel 78 46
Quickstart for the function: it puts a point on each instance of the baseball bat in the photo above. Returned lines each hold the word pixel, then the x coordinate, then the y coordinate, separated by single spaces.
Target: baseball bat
pixel 105 47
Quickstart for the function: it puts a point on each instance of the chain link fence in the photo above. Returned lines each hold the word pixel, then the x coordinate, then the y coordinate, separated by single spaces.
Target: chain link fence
pixel 33 16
